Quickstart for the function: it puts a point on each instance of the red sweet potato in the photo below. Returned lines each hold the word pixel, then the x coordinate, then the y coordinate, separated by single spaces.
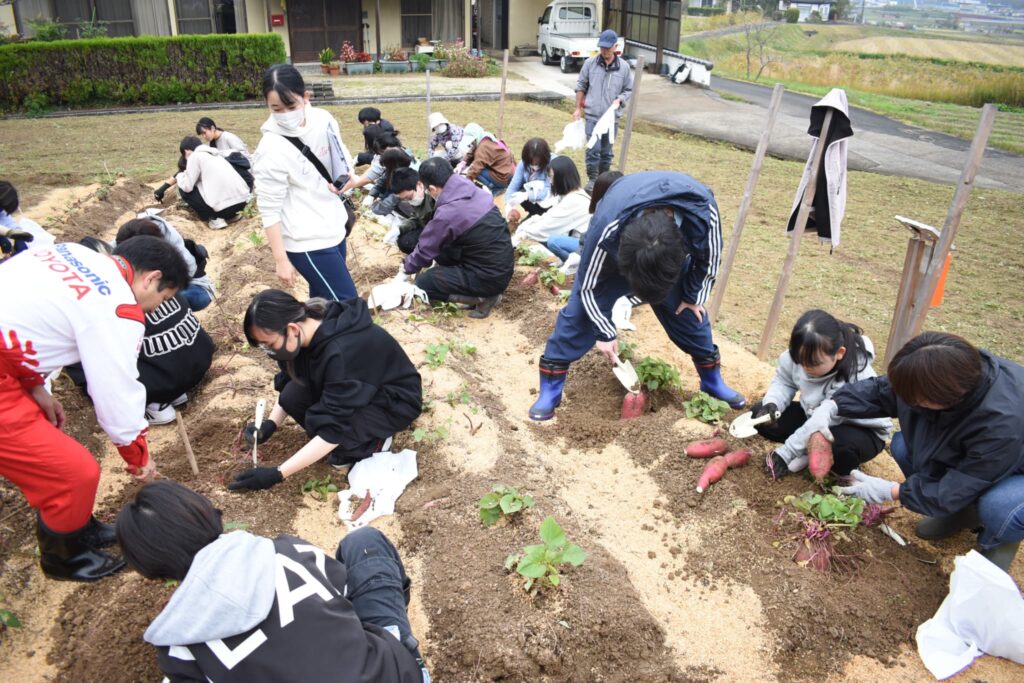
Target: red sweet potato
pixel 819 456
pixel 713 471
pixel 532 278
pixel 706 449
pixel 554 289
pixel 633 404
pixel 814 554
pixel 737 458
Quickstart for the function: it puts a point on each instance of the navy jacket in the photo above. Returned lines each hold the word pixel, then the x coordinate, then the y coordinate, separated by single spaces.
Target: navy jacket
pixel 956 454
pixel 697 217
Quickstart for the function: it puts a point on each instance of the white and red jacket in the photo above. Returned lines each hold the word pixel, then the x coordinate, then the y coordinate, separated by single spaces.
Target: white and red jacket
pixel 66 304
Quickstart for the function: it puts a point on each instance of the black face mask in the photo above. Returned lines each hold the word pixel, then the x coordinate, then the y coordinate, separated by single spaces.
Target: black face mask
pixel 283 354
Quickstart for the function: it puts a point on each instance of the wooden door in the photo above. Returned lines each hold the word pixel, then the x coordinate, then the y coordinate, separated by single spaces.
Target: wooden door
pixel 316 24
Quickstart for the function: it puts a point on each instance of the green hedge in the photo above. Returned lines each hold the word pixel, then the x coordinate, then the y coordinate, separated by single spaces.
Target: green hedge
pixel 704 11
pixel 145 70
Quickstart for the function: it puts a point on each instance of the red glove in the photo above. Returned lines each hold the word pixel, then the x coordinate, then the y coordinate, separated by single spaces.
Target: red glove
pixel 136 454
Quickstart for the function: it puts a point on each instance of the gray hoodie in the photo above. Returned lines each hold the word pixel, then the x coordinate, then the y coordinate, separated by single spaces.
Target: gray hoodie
pixel 791 378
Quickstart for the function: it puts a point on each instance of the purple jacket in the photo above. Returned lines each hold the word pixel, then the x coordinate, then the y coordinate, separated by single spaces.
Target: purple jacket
pixel 459 207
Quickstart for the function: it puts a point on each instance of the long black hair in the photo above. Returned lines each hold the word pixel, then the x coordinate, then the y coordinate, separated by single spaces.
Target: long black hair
pixel 565 177
pixel 818 334
pixel 273 310
pixel 205 123
pixel 393 159
pixel 286 81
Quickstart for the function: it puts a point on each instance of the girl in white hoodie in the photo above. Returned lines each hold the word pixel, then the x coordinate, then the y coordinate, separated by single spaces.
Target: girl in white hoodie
pixel 824 354
pixel 302 212
pixel 207 183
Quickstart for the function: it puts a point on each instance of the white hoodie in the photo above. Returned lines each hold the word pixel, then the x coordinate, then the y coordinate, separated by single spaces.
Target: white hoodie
pixel 289 189
pixel 217 180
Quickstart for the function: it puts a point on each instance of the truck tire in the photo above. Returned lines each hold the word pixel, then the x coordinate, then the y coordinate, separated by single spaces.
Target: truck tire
pixel 545 58
pixel 567 64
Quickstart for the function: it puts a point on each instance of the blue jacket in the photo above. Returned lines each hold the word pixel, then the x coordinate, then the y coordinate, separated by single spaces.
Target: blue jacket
pixel 523 176
pixel 959 453
pixel 697 218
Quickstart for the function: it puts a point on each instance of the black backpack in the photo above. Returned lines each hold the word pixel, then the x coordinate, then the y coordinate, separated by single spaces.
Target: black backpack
pixel 243 167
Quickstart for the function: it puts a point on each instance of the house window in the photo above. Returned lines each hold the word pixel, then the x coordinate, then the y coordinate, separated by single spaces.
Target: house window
pixel 417 16
pixel 205 16
pixel 116 14
pixel 642 20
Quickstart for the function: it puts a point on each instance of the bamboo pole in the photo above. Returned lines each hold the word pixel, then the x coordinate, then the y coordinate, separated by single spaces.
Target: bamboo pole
pixel 748 195
pixel 188 445
pixel 799 227
pixel 923 296
pixel 501 101
pixel 628 133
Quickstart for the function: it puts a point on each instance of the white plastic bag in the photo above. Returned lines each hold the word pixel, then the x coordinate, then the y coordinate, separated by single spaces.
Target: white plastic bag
pixel 574 136
pixel 605 124
pixel 383 477
pixel 983 614
pixel 394 294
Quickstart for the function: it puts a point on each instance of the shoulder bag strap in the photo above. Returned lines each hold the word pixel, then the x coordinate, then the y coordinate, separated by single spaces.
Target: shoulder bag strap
pixel 308 153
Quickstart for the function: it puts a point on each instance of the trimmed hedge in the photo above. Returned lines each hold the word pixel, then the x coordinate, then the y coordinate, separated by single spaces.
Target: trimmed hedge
pixel 704 11
pixel 144 70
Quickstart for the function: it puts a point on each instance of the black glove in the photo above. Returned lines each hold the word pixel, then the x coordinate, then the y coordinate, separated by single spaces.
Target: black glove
pixel 161 191
pixel 760 409
pixel 20 235
pixel 267 429
pixel 256 479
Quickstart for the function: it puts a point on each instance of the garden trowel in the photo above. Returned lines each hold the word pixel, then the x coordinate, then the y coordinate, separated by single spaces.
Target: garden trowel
pixel 745 425
pixel 626 374
pixel 261 406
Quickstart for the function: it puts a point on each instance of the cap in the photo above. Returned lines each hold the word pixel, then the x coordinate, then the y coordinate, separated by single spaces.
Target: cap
pixel 607 38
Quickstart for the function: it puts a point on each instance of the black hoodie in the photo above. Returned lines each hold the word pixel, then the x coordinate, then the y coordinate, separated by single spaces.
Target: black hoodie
pixel 350 364
pixel 959 453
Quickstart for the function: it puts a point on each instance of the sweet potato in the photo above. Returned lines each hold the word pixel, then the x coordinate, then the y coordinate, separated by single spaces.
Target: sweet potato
pixel 532 278
pixel 713 471
pixel 633 404
pixel 819 456
pixel 706 449
pixel 554 289
pixel 737 458
pixel 814 554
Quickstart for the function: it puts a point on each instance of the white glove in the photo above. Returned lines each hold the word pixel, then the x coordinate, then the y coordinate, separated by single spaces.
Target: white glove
pixel 368 200
pixel 869 489
pixel 622 311
pixel 822 418
pixel 392 236
pixel 402 276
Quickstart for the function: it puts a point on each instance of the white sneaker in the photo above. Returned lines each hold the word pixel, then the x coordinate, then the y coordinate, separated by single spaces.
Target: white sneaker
pixel 160 413
pixel 217 223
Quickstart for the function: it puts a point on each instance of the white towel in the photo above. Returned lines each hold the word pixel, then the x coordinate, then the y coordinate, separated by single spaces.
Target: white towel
pixel 394 294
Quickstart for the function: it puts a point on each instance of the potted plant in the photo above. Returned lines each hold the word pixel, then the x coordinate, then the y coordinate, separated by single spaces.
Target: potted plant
pixel 361 64
pixel 326 57
pixel 395 61
pixel 424 61
pixel 335 68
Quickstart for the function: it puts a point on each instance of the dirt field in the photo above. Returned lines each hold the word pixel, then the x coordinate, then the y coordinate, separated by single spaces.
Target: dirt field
pixel 676 586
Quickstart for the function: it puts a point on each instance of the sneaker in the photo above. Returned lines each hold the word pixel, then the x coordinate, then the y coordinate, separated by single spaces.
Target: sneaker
pixel 217 223
pixel 180 401
pixel 160 414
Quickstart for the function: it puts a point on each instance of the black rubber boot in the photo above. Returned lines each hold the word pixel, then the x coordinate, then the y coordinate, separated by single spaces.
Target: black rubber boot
pixel 66 557
pixel 936 528
pixel 97 535
pixel 591 178
pixel 1002 555
pixel 478 306
pixel 603 168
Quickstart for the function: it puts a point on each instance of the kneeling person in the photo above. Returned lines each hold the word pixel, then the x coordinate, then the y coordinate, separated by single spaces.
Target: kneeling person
pixel 416 207
pixel 345 380
pixel 467 239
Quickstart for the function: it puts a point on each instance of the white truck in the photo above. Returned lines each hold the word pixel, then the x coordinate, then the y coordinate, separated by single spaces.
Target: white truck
pixel 567 33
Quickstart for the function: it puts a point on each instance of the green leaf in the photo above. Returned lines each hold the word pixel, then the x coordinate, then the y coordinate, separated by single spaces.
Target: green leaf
pixel 527 501
pixel 573 554
pixel 551 533
pixel 528 584
pixel 534 553
pixel 489 517
pixel 332 488
pixel 308 486
pixel 231 526
pixel 533 570
pixel 554 578
pixel 653 385
pixel 489 501
pixel 9 619
pixel 510 562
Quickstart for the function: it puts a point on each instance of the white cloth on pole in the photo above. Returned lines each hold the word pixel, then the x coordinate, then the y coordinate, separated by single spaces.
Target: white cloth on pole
pixel 574 136
pixel 983 614
pixel 605 124
pixel 383 476
pixel 394 294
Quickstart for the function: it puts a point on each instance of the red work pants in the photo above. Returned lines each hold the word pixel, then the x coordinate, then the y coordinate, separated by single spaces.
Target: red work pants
pixel 56 473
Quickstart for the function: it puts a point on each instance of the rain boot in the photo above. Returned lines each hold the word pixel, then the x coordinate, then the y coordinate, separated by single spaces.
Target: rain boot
pixel 1002 555
pixel 552 380
pixel 936 528
pixel 711 381
pixel 66 557
pixel 98 535
pixel 591 178
pixel 603 168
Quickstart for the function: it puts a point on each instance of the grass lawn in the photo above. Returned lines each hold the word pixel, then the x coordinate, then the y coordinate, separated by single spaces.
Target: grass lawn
pixel 858 282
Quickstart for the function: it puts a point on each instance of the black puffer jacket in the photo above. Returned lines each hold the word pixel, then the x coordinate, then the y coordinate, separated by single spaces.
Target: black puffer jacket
pixel 957 454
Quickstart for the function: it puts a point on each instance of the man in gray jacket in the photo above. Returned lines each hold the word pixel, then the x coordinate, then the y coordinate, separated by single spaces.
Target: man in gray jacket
pixel 605 81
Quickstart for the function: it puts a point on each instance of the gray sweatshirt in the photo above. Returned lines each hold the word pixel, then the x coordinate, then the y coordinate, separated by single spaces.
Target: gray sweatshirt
pixel 602 83
pixel 790 378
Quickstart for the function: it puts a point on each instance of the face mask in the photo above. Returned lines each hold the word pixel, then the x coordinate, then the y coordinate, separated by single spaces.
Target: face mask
pixel 283 354
pixel 441 128
pixel 534 169
pixel 290 120
pixel 418 198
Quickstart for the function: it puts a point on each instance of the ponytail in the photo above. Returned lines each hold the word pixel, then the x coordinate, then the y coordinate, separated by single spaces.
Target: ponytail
pixel 818 334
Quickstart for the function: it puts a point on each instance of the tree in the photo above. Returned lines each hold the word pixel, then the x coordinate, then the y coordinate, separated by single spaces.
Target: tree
pixel 759 37
pixel 841 8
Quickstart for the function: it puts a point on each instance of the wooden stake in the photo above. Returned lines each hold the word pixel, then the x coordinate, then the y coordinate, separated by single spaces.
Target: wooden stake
pixel 430 131
pixel 799 227
pixel 628 133
pixel 501 101
pixel 923 295
pixel 748 196
pixel 188 446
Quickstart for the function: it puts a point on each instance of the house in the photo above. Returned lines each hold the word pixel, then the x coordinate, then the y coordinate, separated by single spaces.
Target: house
pixel 824 9
pixel 306 26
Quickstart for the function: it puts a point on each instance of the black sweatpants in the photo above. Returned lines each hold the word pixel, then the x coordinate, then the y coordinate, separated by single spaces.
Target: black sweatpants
pixel 363 434
pixel 853 444
pixel 205 211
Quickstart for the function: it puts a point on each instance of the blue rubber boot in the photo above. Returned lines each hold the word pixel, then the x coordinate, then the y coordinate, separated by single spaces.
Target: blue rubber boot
pixel 711 381
pixel 552 380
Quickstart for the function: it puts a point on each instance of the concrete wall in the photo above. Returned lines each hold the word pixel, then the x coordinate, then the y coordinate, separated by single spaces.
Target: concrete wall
pixel 522 24
pixel 390 24
pixel 256 16
pixel 7 19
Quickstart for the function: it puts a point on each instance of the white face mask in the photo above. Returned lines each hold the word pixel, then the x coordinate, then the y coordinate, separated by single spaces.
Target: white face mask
pixel 290 120
pixel 441 128
pixel 418 198
pixel 534 169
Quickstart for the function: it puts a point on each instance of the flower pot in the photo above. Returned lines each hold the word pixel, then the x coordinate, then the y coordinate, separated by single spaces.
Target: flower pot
pixel 358 68
pixel 335 70
pixel 325 68
pixel 394 67
pixel 441 63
